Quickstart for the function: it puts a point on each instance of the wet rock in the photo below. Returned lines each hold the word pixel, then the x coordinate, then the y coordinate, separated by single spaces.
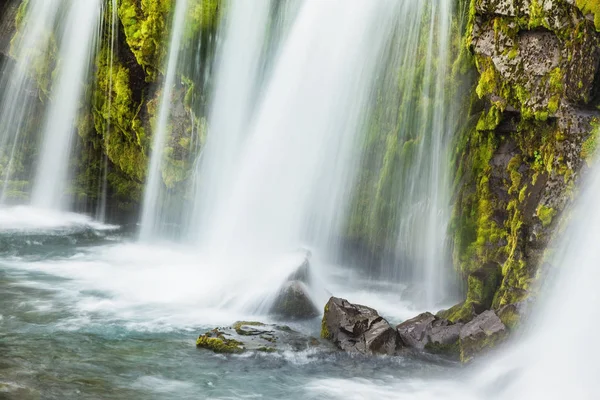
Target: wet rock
pixel 482 333
pixel 245 336
pixel 358 329
pixel 294 302
pixel 431 333
pixel 511 315
pixel 414 332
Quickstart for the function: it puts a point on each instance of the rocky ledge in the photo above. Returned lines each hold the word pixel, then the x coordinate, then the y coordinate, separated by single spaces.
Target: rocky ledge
pixel 360 329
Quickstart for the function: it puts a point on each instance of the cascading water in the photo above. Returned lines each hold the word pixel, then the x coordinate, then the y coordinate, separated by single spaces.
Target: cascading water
pixel 284 183
pixel 76 52
pixel 151 218
pixel 113 32
pixel 238 64
pixel 18 97
pixel 402 200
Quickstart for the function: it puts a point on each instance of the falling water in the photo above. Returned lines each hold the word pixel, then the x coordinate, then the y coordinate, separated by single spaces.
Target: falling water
pixel 18 96
pixel 76 52
pixel 282 167
pixel 113 32
pixel 238 64
pixel 151 205
pixel 403 196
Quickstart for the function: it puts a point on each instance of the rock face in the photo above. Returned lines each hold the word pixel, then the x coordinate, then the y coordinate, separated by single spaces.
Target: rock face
pixel 482 333
pixel 431 333
pixel 358 329
pixel 532 133
pixel 245 336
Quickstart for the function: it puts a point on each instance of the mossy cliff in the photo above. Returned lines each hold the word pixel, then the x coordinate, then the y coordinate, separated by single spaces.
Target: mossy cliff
pixel 115 131
pixel 532 129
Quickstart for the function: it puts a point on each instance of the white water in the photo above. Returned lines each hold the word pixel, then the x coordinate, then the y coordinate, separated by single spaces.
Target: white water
pixel 18 94
pixel 76 52
pixel 237 64
pixel 290 180
pixel 151 221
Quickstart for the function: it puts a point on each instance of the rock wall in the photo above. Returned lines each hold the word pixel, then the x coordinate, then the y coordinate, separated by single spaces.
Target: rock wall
pixel 532 128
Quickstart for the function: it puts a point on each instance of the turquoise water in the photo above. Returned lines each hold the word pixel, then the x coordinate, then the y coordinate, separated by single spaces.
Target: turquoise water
pixel 72 325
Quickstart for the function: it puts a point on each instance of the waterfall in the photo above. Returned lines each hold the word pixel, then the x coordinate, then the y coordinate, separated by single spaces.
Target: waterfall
pixel 238 62
pixel 278 166
pixel 113 32
pixel 151 220
pixel 18 95
pixel 76 52
pixel 402 201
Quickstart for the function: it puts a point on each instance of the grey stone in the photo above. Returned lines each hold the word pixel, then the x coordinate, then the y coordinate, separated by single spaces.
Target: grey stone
pixel 482 333
pixel 358 329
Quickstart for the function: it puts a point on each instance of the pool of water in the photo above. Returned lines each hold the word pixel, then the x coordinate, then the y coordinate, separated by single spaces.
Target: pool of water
pixel 87 314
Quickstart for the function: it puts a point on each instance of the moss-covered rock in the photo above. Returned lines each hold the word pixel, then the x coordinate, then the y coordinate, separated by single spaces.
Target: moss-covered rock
pixel 245 336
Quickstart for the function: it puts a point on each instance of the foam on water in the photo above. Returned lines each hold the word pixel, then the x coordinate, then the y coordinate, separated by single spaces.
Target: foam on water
pixel 28 219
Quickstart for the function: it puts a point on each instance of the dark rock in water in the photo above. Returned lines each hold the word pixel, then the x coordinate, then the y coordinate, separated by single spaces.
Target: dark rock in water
pixel 482 333
pixel 294 302
pixel 358 329
pixel 431 333
pixel 245 336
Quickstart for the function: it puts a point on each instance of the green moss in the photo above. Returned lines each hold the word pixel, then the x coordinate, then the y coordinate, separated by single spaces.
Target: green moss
pixel 545 214
pixel 589 147
pixel 590 7
pixel 325 334
pixel 116 118
pixel 217 342
pixel 145 23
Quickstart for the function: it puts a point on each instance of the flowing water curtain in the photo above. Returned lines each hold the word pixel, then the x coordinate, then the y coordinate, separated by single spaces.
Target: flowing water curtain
pixel 25 86
pixel 295 152
pixel 111 32
pixel 238 63
pixel 154 194
pixel 77 48
pixel 400 211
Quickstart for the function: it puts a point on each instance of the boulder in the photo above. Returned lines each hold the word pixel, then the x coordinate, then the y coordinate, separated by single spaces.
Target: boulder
pixel 358 329
pixel 293 302
pixel 431 333
pixel 414 332
pixel 244 336
pixel 482 333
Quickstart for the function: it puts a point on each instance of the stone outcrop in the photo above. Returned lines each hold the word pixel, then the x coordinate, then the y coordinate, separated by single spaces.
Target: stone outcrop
pixel 533 131
pixel 358 329
pixel 431 333
pixel 482 333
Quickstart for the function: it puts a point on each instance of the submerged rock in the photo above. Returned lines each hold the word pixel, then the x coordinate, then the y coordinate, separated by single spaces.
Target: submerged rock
pixel 359 329
pixel 245 336
pixel 294 302
pixel 482 333
pixel 431 333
